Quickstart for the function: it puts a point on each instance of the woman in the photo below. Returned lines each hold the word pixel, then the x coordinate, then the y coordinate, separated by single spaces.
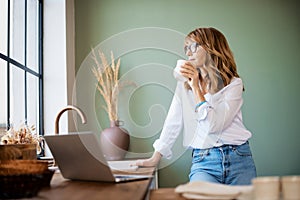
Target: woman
pixel 208 108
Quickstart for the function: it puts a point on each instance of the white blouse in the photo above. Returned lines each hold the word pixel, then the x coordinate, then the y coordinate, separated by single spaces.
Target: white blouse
pixel 215 123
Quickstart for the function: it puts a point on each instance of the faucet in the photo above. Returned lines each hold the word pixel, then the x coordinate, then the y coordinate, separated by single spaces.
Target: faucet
pixel 69 107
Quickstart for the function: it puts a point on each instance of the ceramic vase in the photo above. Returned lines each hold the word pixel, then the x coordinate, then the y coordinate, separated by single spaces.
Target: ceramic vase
pixel 115 141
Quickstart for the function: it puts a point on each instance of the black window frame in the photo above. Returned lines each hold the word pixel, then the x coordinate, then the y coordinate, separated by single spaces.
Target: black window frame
pixel 27 70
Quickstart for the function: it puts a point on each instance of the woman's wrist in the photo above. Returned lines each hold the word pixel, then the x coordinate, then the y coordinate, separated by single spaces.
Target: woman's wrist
pixel 199 96
pixel 156 156
pixel 195 85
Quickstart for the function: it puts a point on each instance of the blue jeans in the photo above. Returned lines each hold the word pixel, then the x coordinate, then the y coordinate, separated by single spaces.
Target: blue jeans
pixel 228 164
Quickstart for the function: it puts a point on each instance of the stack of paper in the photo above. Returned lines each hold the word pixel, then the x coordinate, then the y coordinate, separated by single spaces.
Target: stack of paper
pixel 123 165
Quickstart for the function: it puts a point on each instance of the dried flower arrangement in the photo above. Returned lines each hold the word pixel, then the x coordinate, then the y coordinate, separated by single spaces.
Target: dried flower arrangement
pixel 108 84
pixel 24 135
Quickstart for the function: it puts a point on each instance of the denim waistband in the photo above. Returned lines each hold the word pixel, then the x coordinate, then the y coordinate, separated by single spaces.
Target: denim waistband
pixel 224 146
pixel 231 145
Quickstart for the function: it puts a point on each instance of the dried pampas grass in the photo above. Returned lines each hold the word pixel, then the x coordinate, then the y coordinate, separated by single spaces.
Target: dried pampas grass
pixel 108 84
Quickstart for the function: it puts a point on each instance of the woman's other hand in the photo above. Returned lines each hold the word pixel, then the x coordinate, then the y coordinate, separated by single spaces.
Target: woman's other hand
pixel 150 162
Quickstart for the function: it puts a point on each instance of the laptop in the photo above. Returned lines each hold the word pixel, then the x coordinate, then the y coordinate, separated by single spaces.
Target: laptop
pixel 79 157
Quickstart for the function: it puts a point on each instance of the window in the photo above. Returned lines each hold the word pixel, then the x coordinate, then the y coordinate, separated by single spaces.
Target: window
pixel 21 63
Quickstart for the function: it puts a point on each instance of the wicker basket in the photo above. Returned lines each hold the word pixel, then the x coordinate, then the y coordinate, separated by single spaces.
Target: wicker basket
pixel 18 151
pixel 23 178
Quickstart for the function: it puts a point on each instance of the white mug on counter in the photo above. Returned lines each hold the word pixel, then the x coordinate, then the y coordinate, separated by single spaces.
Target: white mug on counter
pixel 266 188
pixel 290 187
pixel 274 187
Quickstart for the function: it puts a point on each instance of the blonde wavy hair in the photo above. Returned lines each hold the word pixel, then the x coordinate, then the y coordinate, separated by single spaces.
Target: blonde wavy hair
pixel 219 63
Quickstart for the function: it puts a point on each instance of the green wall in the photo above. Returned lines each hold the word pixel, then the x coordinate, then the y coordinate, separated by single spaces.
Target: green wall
pixel 265 38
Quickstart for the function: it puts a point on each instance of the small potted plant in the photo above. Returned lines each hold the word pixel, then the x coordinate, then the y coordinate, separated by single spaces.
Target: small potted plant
pixel 22 143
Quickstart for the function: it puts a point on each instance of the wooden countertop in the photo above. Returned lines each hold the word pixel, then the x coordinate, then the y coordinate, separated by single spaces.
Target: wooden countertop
pixel 165 194
pixel 62 189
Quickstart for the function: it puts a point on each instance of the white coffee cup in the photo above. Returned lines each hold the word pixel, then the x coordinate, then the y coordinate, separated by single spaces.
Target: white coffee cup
pixel 266 188
pixel 290 187
pixel 177 74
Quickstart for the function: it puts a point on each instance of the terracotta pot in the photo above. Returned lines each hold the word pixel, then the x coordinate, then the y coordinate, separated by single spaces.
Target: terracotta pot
pixel 115 141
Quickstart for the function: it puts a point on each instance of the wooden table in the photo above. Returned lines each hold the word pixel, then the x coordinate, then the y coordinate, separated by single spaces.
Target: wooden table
pixel 165 194
pixel 63 189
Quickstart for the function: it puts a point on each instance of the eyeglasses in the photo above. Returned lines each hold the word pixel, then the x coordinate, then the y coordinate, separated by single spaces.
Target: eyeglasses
pixel 192 47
